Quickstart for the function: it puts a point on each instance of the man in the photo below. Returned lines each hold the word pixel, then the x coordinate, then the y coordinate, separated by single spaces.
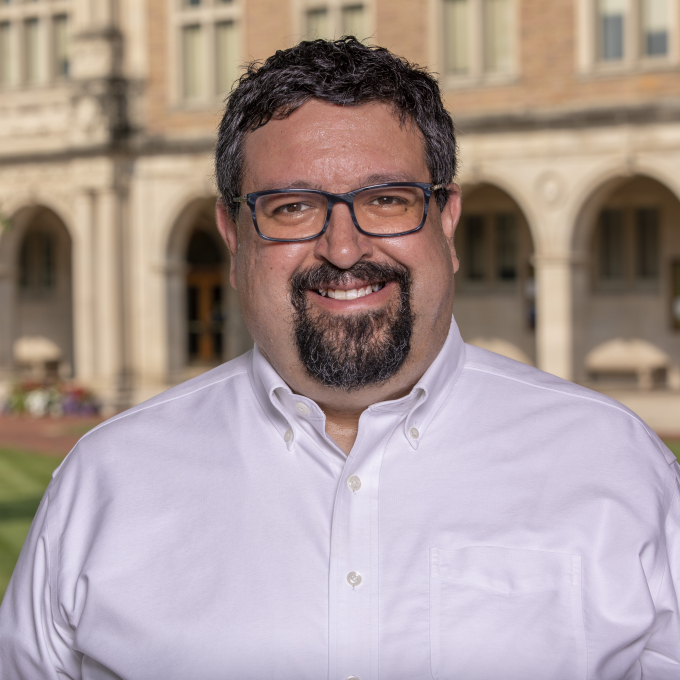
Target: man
pixel 362 495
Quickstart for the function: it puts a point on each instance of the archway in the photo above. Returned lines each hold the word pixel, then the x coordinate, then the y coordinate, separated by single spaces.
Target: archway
pixel 36 294
pixel 205 298
pixel 494 304
pixel 205 327
pixel 627 287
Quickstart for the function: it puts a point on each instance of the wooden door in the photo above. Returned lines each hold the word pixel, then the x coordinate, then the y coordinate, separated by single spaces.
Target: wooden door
pixel 205 317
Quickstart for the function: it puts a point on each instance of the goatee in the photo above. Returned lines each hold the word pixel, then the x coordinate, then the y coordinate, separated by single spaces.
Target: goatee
pixel 351 351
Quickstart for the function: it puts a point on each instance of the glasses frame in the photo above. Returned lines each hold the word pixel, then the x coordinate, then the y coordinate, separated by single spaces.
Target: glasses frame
pixel 333 200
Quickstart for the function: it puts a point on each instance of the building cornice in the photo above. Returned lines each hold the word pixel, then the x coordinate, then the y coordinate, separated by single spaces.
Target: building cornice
pixel 149 147
pixel 529 121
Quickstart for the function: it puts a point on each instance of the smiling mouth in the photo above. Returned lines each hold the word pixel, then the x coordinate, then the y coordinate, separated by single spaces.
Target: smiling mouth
pixel 352 293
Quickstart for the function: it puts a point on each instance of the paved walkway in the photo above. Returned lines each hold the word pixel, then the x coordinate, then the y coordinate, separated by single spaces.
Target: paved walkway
pixel 55 436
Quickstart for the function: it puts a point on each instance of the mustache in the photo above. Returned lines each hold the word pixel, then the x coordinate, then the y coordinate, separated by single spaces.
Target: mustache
pixel 327 275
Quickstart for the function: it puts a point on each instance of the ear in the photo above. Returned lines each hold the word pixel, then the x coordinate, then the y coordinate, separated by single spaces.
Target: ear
pixel 450 216
pixel 229 231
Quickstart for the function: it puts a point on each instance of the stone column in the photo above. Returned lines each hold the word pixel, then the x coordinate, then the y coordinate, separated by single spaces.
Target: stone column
pixel 84 288
pixel 109 331
pixel 554 318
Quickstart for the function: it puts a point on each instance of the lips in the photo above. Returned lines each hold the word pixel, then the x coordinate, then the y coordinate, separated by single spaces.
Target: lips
pixel 350 294
pixel 361 279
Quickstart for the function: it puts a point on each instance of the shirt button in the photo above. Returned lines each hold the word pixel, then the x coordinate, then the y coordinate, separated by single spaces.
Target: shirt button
pixel 354 483
pixel 352 677
pixel 288 436
pixel 413 433
pixel 353 578
pixel 302 409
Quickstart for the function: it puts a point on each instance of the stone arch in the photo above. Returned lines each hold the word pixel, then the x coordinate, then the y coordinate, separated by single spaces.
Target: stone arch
pixel 494 303
pixel 198 266
pixel 626 282
pixel 36 287
pixel 525 204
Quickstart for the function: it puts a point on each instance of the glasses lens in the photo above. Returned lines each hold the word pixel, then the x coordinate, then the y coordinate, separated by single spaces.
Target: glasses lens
pixel 293 215
pixel 390 210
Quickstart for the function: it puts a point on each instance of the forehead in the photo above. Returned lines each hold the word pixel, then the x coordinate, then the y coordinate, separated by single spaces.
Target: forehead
pixel 336 148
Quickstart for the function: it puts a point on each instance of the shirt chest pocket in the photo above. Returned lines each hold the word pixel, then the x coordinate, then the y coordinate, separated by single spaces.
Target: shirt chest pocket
pixel 506 613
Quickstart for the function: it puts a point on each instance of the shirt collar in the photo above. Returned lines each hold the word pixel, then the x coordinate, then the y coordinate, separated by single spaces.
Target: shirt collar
pixel 284 408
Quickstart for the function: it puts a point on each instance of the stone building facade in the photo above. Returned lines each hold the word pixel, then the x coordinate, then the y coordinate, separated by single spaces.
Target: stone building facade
pixel 568 114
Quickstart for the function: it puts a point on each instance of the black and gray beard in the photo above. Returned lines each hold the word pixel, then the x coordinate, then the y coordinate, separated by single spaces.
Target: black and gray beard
pixel 350 351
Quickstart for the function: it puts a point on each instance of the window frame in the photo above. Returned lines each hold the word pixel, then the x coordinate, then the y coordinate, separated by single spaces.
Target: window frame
pixel 334 9
pixel 588 61
pixel 16 14
pixel 631 280
pixel 477 74
pixel 207 15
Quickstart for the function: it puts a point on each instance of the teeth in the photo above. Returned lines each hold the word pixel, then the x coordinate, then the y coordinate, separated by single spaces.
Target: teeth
pixel 349 294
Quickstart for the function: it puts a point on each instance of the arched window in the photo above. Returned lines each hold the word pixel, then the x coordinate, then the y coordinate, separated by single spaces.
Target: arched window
pixel 37 262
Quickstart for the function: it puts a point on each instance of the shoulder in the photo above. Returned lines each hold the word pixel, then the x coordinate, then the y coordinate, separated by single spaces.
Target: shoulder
pixel 178 420
pixel 553 403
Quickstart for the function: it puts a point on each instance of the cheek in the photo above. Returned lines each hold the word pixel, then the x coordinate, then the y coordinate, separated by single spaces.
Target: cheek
pixel 264 279
pixel 433 279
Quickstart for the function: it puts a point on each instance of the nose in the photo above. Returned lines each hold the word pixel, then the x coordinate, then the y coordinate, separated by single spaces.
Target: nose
pixel 343 244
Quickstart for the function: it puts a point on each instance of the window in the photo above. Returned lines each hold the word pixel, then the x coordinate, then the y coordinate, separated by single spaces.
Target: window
pixel 31 51
pixel 487 253
pixel 675 294
pixel 497 36
pixel 37 263
pixel 34 42
pixel 628 243
pixel 611 244
pixel 478 38
pixel 208 48
pixel 655 24
pixel 193 67
pixel 506 247
pixel 333 19
pixel 625 33
pixel 611 28
pixel 5 53
pixel 476 255
pixel 226 55
pixel 456 40
pixel 317 23
pixel 60 44
pixel 647 243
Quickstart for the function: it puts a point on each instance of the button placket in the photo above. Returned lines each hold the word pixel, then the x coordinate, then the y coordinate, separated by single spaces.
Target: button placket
pixel 353 613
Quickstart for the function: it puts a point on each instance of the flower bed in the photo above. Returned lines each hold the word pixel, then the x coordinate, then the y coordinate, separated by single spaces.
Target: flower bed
pixel 50 399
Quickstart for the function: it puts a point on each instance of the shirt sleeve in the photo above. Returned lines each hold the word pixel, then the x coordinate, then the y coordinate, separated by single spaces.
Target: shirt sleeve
pixel 32 645
pixel 660 659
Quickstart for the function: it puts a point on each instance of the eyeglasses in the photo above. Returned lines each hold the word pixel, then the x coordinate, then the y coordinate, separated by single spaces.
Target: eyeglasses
pixel 289 215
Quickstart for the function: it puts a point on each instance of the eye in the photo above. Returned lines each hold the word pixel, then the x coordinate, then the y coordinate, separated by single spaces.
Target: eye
pixel 387 201
pixel 292 208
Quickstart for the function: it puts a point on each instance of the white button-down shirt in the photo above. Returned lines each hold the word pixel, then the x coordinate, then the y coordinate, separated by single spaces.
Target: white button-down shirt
pixel 497 523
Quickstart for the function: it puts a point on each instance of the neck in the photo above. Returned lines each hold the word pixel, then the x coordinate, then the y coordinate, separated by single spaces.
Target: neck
pixel 342 416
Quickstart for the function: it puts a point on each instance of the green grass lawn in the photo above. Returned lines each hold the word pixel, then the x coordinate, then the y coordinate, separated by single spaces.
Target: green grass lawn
pixel 674 446
pixel 23 479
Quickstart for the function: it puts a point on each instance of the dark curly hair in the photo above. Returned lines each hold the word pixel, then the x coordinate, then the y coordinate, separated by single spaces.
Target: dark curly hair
pixel 344 72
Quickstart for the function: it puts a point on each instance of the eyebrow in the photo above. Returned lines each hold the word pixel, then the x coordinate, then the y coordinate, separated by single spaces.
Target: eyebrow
pixel 377 178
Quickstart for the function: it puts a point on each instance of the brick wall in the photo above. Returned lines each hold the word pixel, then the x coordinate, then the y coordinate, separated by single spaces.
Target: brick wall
pixel 547 76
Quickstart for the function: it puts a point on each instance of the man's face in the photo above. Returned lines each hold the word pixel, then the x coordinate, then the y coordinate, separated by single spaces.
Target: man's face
pixel 312 339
